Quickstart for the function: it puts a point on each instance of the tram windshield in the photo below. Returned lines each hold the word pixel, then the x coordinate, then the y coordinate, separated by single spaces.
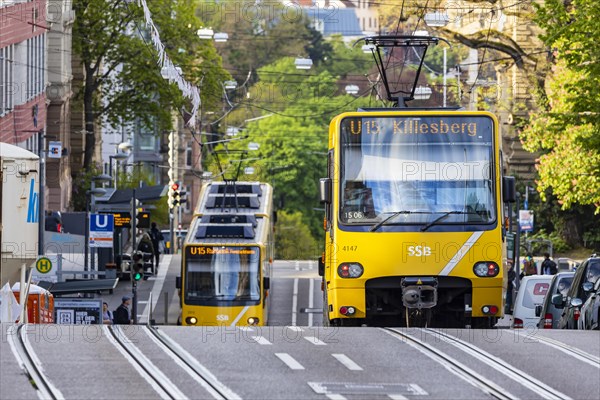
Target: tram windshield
pixel 427 170
pixel 217 274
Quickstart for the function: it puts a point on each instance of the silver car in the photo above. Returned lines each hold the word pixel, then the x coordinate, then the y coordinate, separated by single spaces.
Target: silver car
pixel 590 311
pixel 548 312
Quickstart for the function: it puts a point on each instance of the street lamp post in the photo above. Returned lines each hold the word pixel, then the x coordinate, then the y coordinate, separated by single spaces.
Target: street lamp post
pixel 115 173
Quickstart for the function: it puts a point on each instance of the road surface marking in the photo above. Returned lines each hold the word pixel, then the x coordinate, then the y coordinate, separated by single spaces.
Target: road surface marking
pixel 261 340
pixel 314 340
pixel 347 362
pixel 289 361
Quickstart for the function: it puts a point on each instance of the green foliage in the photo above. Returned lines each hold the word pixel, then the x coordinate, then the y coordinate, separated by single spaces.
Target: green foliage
pixel 81 184
pixel 293 239
pixel 558 244
pixel 569 133
pixel 293 141
pixel 261 33
pixel 141 176
pixel 123 80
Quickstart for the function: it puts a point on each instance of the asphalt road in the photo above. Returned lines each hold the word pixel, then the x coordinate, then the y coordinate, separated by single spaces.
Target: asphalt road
pixel 296 357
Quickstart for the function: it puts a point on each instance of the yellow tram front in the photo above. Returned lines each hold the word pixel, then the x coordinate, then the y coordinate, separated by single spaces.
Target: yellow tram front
pixel 414 220
pixel 225 284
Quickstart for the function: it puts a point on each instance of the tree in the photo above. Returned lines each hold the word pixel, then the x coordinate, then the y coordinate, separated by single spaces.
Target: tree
pixel 568 130
pixel 261 33
pixel 122 80
pixel 293 240
pixel 294 139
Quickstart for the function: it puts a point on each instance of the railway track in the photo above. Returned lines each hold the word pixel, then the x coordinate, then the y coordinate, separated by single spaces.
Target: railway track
pixel 155 377
pixel 30 363
pixel 570 350
pixel 517 375
pixel 466 373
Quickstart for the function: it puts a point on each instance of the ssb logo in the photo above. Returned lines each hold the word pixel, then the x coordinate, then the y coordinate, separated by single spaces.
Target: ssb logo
pixel 222 317
pixel 419 251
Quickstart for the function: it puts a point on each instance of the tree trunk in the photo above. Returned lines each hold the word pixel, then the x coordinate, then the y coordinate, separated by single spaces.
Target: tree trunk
pixel 88 111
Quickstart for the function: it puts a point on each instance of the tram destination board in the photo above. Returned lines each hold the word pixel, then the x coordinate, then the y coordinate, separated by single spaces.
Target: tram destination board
pixel 122 220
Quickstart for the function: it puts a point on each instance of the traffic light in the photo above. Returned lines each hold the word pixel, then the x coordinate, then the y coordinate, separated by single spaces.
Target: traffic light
pixel 137 271
pixel 174 195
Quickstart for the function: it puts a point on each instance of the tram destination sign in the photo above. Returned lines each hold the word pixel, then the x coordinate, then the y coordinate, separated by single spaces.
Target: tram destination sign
pixel 122 220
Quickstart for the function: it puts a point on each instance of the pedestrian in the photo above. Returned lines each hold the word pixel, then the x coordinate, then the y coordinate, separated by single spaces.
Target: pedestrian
pixel 548 265
pixel 147 248
pixel 156 236
pixel 107 316
pixel 122 315
pixel 529 267
pixel 512 275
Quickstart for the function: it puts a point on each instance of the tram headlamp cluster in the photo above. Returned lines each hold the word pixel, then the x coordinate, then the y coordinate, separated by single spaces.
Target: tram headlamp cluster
pixel 486 269
pixel 350 270
pixel 191 320
pixel 253 321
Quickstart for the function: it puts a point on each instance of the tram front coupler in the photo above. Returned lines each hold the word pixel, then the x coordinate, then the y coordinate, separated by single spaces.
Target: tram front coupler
pixel 419 292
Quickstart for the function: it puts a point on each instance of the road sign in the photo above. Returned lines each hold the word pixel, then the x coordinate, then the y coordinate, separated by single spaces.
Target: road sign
pixel 78 311
pixel 526 220
pixel 101 230
pixel 46 268
pixel 122 220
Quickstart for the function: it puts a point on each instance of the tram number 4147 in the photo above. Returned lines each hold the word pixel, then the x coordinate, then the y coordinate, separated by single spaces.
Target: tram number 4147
pixel 349 248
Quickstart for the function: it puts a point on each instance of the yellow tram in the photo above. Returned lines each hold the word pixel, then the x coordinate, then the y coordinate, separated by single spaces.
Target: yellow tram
pixel 414 219
pixel 227 256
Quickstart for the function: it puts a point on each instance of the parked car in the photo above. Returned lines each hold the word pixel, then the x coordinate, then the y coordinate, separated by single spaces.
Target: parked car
pixel 590 311
pixel 548 312
pixel 531 294
pixel 165 247
pixel 584 279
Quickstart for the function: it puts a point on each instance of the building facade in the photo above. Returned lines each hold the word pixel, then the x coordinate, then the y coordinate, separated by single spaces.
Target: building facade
pixel 35 92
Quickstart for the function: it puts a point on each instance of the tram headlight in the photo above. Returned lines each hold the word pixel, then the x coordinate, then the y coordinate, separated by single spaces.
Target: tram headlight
pixel 350 270
pixel 191 320
pixel 486 269
pixel 253 321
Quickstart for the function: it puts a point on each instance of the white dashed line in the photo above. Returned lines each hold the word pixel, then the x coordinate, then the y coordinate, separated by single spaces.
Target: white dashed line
pixel 314 340
pixel 347 362
pixel 261 340
pixel 289 361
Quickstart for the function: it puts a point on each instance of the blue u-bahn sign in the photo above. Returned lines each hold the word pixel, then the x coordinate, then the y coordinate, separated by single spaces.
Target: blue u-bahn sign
pixel 101 230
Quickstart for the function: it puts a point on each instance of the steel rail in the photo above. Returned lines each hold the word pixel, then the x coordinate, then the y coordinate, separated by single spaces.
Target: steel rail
pixel 151 373
pixel 570 350
pixel 191 365
pixel 30 364
pixel 517 375
pixel 453 365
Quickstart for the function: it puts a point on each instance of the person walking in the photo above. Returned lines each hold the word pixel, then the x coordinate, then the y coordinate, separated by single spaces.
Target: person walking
pixel 122 315
pixel 548 266
pixel 156 236
pixel 529 267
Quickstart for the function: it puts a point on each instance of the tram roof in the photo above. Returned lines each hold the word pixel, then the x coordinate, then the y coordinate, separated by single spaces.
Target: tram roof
pixel 249 233
pixel 233 198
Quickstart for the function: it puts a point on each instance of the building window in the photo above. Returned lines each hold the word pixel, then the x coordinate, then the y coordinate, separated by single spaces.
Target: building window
pixel 36 48
pixel 189 162
pixel 6 79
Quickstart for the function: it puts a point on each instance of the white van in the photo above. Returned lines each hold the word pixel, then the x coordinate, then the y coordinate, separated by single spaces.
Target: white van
pixel 531 293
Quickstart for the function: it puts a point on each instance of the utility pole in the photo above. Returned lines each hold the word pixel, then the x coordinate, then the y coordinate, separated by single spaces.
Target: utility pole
pixel 42 192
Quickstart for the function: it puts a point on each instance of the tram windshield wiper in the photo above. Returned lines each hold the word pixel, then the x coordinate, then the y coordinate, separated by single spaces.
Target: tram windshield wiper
pixel 441 217
pixel 383 221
